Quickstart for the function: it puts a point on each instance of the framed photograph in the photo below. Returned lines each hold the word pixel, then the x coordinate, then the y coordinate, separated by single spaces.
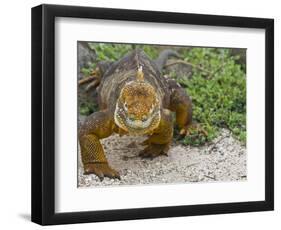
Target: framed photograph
pixel 142 114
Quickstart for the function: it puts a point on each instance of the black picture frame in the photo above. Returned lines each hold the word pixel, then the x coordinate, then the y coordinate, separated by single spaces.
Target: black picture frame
pixel 43 114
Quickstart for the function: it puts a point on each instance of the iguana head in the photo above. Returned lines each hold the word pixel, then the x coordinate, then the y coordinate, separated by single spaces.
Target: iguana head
pixel 138 108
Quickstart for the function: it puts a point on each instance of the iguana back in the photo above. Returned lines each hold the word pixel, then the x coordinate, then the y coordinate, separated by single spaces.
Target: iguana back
pixel 124 71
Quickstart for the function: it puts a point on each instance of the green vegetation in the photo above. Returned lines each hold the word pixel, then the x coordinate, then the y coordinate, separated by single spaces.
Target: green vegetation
pixel 217 87
pixel 219 96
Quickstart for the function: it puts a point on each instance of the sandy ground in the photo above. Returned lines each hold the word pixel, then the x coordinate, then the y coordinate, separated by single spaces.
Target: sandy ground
pixel 222 160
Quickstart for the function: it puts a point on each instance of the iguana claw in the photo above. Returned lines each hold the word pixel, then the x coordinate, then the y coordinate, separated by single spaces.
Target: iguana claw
pixel 101 170
pixel 154 150
pixel 195 127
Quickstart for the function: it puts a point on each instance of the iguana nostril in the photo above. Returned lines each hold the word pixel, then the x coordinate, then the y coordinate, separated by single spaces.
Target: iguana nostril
pixel 144 118
pixel 132 117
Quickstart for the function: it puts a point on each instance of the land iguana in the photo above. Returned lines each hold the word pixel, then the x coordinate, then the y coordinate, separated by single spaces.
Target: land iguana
pixel 134 99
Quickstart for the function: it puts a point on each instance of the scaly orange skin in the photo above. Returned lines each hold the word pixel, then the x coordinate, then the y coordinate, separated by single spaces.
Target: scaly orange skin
pixel 134 100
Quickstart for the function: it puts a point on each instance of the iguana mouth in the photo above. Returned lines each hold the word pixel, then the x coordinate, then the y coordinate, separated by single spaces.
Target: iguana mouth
pixel 137 127
pixel 138 124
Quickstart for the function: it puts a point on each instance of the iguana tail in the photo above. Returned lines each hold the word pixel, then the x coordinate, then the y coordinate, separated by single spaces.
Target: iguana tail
pixel 164 56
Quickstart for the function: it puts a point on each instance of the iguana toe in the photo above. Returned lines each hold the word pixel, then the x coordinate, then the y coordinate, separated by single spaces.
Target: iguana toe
pixel 193 127
pixel 153 151
pixel 101 170
pixel 146 142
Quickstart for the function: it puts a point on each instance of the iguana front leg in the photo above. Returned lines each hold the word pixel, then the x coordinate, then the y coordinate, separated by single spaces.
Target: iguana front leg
pixel 182 105
pixel 97 126
pixel 159 142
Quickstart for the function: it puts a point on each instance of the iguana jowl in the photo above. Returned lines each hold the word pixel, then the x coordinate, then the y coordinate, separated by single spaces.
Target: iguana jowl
pixel 134 99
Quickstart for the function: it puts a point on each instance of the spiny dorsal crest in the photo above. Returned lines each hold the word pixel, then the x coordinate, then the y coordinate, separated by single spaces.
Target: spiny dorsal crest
pixel 140 75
